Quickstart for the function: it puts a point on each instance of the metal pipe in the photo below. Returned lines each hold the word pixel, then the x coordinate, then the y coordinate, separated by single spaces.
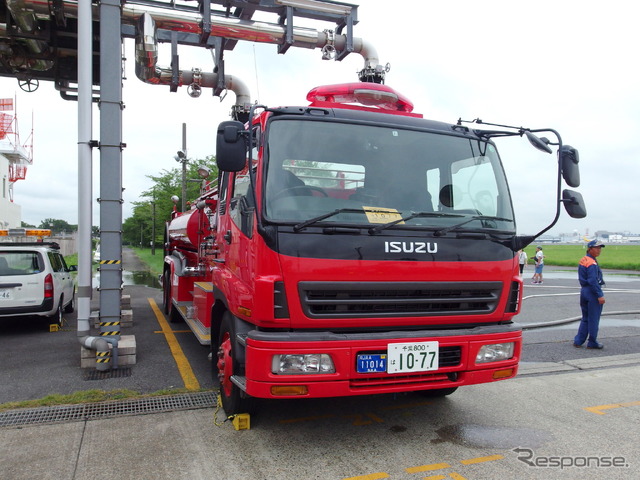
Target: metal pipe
pixel 26 22
pixel 222 26
pixel 146 57
pixel 85 166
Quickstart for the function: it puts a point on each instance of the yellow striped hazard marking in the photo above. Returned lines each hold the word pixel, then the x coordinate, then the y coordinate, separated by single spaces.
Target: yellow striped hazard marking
pixel 184 367
pixel 110 262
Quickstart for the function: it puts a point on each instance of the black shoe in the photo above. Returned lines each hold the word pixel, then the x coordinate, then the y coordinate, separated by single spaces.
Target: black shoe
pixel 597 346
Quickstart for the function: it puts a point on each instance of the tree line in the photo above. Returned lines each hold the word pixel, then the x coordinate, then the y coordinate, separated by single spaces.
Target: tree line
pixel 155 205
pixel 153 208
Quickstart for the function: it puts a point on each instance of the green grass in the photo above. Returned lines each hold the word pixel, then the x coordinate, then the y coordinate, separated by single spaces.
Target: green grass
pixel 616 257
pixel 89 396
pixel 154 262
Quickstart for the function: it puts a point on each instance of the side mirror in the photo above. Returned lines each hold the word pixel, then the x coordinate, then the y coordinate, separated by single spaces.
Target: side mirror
pixel 569 160
pixel 539 143
pixel 231 146
pixel 73 268
pixel 574 204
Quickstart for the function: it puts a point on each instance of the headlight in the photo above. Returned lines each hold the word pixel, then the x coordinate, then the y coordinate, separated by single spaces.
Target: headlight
pixel 302 364
pixel 495 352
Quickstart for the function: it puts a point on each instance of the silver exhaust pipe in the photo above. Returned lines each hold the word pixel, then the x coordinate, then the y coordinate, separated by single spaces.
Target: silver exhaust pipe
pixel 146 57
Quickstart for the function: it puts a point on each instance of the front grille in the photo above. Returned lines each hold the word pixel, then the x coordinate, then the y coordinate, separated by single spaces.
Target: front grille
pixel 400 299
pixel 378 382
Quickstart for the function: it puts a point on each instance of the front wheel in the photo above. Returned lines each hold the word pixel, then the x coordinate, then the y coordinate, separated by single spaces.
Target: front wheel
pixel 71 305
pixel 234 400
pixel 439 392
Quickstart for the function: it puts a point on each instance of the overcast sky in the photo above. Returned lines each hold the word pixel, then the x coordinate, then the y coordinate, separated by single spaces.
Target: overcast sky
pixel 568 65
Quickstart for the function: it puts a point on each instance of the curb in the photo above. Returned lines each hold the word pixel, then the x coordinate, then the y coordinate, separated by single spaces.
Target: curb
pixel 566 321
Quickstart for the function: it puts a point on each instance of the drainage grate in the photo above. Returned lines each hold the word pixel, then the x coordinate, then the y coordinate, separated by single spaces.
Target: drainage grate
pixel 92 374
pixel 94 411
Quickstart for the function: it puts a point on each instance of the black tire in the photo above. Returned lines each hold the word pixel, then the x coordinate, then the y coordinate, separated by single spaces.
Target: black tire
pixel 224 365
pixel 440 392
pixel 70 307
pixel 167 304
pixel 56 318
pixel 166 291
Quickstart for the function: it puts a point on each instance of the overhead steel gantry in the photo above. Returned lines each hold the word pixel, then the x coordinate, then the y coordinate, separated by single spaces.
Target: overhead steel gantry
pixel 53 40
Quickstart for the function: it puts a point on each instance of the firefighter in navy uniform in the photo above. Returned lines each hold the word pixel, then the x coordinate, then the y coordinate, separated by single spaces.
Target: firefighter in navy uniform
pixel 591 296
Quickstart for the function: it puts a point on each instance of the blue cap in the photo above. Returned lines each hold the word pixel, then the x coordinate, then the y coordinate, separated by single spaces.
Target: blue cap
pixel 595 244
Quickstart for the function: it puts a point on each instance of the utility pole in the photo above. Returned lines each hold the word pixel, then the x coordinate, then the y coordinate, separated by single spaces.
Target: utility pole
pixel 153 223
pixel 183 160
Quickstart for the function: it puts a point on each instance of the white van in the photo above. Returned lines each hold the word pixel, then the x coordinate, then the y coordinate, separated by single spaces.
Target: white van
pixel 35 280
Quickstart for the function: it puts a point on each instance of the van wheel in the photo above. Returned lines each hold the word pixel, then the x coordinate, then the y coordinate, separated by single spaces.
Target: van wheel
pixel 56 318
pixel 70 307
pixel 225 365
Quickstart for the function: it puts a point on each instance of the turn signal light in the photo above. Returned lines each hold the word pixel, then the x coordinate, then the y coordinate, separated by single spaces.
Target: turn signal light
pixel 289 390
pixel 502 373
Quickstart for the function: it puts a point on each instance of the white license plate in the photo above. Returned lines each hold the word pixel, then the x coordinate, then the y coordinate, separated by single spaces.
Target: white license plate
pixel 5 294
pixel 412 357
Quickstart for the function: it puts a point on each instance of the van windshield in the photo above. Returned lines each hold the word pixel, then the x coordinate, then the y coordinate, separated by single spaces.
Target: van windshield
pixel 370 175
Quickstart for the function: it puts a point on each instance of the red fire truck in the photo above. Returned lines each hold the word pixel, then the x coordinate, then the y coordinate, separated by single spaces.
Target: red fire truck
pixel 352 247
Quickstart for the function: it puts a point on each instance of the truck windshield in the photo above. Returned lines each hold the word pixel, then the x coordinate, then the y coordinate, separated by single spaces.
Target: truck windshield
pixel 365 176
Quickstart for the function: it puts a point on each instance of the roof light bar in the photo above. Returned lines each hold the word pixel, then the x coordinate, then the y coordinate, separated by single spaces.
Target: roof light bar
pixel 366 94
pixel 26 232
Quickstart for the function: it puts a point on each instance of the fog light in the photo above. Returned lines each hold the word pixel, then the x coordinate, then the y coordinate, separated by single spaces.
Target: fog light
pixel 295 364
pixel 495 352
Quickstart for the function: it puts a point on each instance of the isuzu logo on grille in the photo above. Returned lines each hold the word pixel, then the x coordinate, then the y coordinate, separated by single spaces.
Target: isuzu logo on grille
pixel 410 247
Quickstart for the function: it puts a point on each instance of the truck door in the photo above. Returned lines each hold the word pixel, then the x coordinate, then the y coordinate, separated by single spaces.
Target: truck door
pixel 235 236
pixel 241 226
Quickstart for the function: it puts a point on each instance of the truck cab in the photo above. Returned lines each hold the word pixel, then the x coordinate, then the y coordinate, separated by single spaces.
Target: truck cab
pixel 352 247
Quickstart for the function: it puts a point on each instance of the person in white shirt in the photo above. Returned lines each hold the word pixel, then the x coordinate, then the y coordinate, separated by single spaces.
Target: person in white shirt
pixel 522 259
pixel 539 259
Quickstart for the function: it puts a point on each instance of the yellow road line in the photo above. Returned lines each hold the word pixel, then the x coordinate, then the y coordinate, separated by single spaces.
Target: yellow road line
pixel 184 367
pixel 427 468
pixel 490 458
pixel 599 408
pixel 373 476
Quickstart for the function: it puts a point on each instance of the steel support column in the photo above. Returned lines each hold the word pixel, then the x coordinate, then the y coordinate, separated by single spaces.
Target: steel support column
pixel 110 168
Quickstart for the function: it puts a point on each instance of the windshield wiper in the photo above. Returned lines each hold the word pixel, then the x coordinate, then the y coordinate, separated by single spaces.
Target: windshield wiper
pixel 442 231
pixel 383 226
pixel 311 221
